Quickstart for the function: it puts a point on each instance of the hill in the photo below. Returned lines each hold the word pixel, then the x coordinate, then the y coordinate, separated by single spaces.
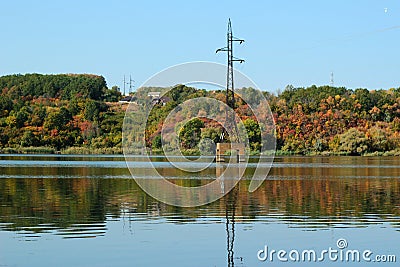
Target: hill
pixel 56 112
pixel 78 113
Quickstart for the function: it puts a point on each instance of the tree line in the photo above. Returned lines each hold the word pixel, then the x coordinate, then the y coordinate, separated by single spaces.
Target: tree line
pixel 78 112
pixel 58 111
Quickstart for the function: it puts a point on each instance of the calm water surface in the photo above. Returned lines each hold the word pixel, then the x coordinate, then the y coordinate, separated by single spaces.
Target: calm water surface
pixel 87 211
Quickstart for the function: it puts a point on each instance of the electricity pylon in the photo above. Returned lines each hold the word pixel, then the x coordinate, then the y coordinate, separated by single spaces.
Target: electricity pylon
pixel 230 124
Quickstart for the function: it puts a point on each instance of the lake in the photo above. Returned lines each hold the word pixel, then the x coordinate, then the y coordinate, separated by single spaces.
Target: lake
pixel 58 210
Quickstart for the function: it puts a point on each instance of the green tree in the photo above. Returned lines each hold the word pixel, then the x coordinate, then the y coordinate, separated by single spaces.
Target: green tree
pixel 364 98
pixel 379 140
pixel 214 134
pixel 157 142
pixel 21 117
pixel 112 95
pixel 57 119
pixel 73 107
pixel 190 133
pixel 91 111
pixel 5 105
pixel 353 142
pixel 253 133
pixel 29 139
pixel 210 136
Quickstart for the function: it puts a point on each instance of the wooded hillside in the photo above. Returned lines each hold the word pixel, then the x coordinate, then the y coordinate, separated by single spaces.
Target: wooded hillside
pixel 77 112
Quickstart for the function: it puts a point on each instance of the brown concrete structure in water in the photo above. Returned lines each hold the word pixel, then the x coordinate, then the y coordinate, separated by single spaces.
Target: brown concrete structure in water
pixel 224 147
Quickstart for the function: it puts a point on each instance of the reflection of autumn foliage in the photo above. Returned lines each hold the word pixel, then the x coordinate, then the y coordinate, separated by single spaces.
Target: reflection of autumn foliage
pixel 28 202
pixel 327 197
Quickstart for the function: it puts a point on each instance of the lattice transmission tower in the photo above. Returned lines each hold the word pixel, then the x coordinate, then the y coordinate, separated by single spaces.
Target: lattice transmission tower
pixel 230 124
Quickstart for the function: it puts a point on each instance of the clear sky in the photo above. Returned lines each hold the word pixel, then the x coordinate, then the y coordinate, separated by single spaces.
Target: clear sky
pixel 287 42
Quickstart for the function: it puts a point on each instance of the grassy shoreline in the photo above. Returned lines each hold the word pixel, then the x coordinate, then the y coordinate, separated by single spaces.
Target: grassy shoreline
pixel 68 151
pixel 119 151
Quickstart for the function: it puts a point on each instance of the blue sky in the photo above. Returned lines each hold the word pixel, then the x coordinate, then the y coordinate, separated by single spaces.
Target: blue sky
pixel 287 42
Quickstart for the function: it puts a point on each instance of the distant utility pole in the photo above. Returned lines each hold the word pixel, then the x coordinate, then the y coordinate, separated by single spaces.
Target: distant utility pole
pixel 130 84
pixel 124 84
pixel 230 89
pixel 332 83
pixel 131 81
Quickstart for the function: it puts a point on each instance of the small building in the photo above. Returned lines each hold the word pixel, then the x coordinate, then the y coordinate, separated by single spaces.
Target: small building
pixel 154 94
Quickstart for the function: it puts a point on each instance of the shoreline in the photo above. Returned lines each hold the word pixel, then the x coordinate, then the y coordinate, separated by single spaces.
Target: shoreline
pixel 119 151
